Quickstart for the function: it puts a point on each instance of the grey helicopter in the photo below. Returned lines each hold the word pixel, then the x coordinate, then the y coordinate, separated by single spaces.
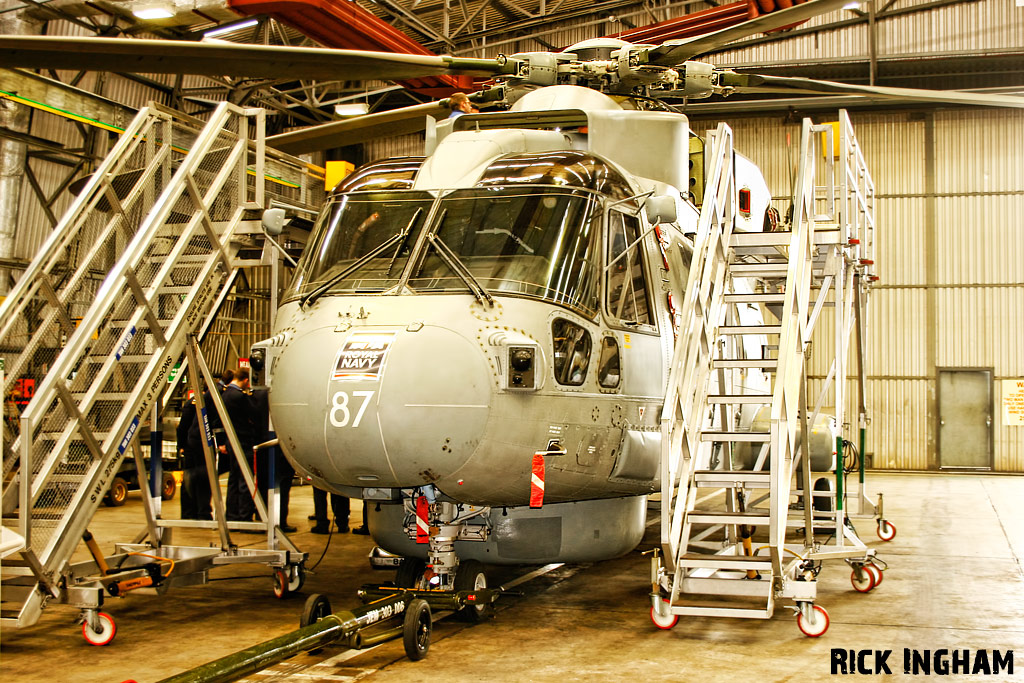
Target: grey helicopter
pixel 477 340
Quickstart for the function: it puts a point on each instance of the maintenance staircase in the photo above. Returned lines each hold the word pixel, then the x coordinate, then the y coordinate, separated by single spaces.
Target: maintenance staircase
pixel 717 451
pixel 138 264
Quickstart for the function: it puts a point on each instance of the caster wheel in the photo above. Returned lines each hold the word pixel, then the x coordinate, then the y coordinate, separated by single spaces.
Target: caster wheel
pixel 281 583
pixel 106 633
pixel 317 607
pixel 866 582
pixel 416 628
pixel 296 578
pixel 876 572
pixel 469 576
pixel 816 625
pixel 886 530
pixel 663 622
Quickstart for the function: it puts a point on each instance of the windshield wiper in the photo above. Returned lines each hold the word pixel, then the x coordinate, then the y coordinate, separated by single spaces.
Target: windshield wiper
pixel 398 239
pixel 456 265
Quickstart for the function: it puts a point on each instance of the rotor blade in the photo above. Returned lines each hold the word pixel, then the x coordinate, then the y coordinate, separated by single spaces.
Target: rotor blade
pixel 229 59
pixel 759 83
pixel 359 129
pixel 678 51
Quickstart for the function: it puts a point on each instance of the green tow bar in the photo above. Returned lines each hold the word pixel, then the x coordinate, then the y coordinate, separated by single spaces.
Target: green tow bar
pixel 329 629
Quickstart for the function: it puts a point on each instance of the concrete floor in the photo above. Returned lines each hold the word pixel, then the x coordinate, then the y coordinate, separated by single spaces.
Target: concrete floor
pixel 955 580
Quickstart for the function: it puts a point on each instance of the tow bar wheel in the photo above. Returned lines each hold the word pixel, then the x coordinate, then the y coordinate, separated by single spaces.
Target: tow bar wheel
pixel 317 607
pixel 416 629
pixel 886 530
pixel 666 621
pixel 106 632
pixel 814 622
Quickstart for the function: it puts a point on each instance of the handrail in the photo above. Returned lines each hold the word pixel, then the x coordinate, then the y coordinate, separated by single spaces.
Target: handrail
pixel 700 316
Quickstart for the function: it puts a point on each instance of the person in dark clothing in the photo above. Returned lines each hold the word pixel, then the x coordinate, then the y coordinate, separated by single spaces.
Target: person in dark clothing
pixel 283 470
pixel 339 506
pixel 363 529
pixel 196 480
pixel 195 483
pixel 226 378
pixel 239 505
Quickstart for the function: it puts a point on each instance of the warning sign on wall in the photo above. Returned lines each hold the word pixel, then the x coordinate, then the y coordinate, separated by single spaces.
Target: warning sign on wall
pixel 1013 402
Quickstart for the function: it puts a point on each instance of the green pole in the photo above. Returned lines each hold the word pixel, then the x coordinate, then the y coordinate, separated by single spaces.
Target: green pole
pixel 839 475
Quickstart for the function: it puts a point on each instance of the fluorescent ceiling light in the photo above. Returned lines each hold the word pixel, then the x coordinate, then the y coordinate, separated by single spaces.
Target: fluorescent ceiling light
pixel 356 109
pixel 855 4
pixel 228 28
pixel 157 11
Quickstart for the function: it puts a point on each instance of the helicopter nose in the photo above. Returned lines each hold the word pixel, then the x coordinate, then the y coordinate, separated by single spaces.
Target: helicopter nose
pixel 434 401
pixel 396 408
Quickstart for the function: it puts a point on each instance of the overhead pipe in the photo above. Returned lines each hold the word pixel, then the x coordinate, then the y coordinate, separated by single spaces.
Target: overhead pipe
pixel 13 153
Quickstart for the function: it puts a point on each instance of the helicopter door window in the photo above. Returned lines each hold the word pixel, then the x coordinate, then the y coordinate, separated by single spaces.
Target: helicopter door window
pixel 625 279
pixel 571 352
pixel 608 366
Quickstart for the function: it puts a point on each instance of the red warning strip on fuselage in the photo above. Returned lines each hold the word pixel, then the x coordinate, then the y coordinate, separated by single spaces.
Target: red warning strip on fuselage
pixel 537 481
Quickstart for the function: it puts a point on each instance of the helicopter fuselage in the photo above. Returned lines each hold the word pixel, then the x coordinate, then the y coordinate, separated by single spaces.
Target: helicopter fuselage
pixel 510 295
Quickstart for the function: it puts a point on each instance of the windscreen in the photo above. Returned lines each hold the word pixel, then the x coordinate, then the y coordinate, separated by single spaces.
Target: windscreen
pixel 378 228
pixel 531 241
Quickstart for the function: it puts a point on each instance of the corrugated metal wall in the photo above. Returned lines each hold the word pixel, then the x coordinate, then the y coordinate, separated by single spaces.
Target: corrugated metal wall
pixel 949 249
pixel 982 26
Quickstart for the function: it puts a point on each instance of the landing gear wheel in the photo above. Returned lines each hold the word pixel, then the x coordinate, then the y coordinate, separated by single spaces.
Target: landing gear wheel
pixel 117 494
pixel 409 572
pixel 866 582
pixel 886 530
pixel 416 628
pixel 106 633
pixel 169 487
pixel 663 622
pixel 816 625
pixel 469 576
pixel 317 607
pixel 876 572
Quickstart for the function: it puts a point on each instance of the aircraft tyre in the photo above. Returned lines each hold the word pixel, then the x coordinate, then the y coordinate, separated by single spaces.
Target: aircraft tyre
pixel 470 577
pixel 416 628
pixel 409 572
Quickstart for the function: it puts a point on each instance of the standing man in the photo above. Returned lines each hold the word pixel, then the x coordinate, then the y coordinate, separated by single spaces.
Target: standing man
pixel 240 507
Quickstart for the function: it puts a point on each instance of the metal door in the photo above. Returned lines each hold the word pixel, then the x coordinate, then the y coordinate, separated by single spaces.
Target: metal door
pixel 965 419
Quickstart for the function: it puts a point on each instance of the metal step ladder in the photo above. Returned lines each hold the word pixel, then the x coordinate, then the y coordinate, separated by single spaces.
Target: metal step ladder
pixel 48 301
pixel 160 220
pixel 713 460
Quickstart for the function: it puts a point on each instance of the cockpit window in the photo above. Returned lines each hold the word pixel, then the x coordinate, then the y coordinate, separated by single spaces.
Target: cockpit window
pixel 562 169
pixel 361 242
pixel 392 174
pixel 533 241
